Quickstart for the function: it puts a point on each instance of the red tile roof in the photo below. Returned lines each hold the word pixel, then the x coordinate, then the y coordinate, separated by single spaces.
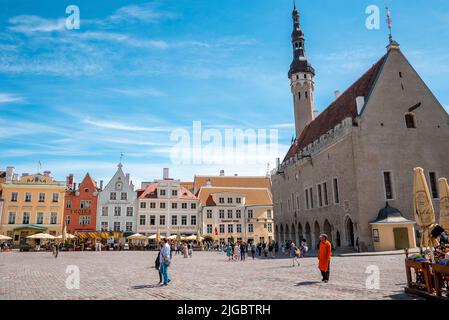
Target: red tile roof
pixel 151 192
pixel 343 107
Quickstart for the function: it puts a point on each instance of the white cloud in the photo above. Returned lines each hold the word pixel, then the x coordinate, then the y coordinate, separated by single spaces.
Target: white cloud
pixel 121 126
pixel 8 98
pixel 139 92
pixel 30 24
pixel 283 126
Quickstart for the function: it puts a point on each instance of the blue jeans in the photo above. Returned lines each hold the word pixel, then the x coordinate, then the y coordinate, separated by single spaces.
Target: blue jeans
pixel 164 272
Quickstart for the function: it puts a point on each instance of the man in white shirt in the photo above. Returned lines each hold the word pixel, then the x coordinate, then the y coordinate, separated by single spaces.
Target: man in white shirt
pixel 165 262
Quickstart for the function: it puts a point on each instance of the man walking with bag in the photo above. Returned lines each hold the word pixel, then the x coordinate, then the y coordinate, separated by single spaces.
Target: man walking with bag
pixel 165 262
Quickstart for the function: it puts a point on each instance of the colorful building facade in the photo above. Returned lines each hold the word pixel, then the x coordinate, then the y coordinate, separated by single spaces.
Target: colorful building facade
pixel 32 204
pixel 80 213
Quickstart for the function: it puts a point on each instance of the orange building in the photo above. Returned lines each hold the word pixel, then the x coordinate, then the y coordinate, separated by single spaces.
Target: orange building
pixel 80 208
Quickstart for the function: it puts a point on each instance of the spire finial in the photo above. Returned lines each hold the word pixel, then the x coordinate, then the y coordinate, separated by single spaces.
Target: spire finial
pixel 294 4
pixel 389 24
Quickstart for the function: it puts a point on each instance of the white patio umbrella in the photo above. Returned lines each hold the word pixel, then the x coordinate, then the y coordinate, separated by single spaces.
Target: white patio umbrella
pixel 2 237
pixel 192 237
pixel 67 236
pixel 137 236
pixel 444 204
pixel 172 237
pixel 44 236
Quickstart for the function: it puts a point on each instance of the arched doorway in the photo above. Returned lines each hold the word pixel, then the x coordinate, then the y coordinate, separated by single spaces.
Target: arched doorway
pixel 300 233
pixel 338 239
pixel 308 235
pixel 328 230
pixel 293 234
pixel 350 232
pixel 281 237
pixel 287 233
pixel 317 233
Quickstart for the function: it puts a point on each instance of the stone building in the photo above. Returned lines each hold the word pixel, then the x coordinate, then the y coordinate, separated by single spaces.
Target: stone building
pixel 168 206
pixel 117 205
pixel 356 156
pixel 235 208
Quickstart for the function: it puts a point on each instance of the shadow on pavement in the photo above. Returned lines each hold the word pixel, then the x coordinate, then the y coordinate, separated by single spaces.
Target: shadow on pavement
pixel 145 286
pixel 307 283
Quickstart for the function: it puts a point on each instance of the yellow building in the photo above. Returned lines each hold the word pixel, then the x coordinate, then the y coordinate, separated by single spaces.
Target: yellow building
pixel 233 212
pixel 31 204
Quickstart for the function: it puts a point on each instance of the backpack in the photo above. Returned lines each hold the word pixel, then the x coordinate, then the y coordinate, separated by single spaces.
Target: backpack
pixel 297 251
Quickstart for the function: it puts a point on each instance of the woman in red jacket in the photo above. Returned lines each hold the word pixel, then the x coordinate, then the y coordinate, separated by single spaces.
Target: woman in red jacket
pixel 324 257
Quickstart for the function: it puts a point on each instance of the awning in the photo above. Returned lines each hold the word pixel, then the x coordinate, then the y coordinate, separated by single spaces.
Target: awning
pixel 31 227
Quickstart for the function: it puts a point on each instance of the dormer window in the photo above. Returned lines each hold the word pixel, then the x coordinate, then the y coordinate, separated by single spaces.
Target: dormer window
pixel 410 121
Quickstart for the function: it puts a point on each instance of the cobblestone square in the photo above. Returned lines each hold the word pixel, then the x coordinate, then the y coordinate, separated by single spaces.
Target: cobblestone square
pixel 208 275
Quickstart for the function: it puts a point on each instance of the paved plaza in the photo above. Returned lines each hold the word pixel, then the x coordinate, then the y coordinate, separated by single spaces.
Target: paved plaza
pixel 208 275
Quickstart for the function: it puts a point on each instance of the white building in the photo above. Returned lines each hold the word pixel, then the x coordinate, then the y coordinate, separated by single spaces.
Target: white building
pixel 117 205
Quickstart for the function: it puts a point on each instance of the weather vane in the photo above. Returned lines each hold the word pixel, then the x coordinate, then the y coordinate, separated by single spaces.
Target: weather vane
pixel 389 24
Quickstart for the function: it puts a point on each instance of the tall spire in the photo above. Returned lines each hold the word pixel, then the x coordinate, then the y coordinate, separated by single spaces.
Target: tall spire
pixel 299 63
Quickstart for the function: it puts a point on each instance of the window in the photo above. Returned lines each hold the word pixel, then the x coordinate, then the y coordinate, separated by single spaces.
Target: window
pixel 26 218
pixel 410 121
pixel 269 216
pixel 184 220
pixel 336 192
pixel 55 197
pixel 162 205
pixel 433 185
pixel 152 220
pixel 221 214
pixel 12 218
pixel 238 214
pixel 299 95
pixel 41 197
pixel 174 193
pixel 400 74
pixel 184 205
pixel 104 226
pixel 14 196
pixel 84 220
pixel 113 196
pixel 152 205
pixel 326 199
pixel 143 205
pixel 193 220
pixel 250 228
pixel 142 220
pixel 174 220
pixel 28 197
pixel 208 214
pixel 239 228
pixel 222 228
pixel 320 196
pixel 193 206
pixel 54 218
pixel 229 200
pixel 388 186
pixel 376 235
pixel 229 214
pixel 117 226
pixel 209 228
pixel 270 227
pixel 311 197
pixel 162 192
pixel 118 185
pixel 86 190
pixel 230 228
pixel 250 214
pixel 238 200
pixel 123 196
pixel 85 204
pixel 68 219
pixel 129 211
pixel 117 211
pixel 129 226
pixel 104 211
pixel 307 95
pixel 68 204
pixel 40 218
pixel 174 205
pixel 307 200
pixel 221 200
pixel 162 220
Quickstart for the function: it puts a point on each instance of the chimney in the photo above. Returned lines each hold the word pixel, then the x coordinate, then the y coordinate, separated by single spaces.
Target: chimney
pixel 69 181
pixel 101 184
pixel 25 174
pixel 208 183
pixel 278 163
pixel 337 94
pixel 74 186
pixel 222 173
pixel 166 174
pixel 360 101
pixel 47 173
pixel 9 174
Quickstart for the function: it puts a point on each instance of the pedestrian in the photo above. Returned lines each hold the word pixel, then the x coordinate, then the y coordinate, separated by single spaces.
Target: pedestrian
pixel 55 250
pixel 236 251
pixel 229 252
pixel 157 263
pixel 296 253
pixel 357 244
pixel 189 247
pixel 324 256
pixel 164 261
pixel 242 251
pixel 253 250
pixel 259 249
pixel 303 247
pixel 270 250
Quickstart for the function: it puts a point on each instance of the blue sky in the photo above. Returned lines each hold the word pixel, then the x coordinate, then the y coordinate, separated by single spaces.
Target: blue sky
pixel 137 70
